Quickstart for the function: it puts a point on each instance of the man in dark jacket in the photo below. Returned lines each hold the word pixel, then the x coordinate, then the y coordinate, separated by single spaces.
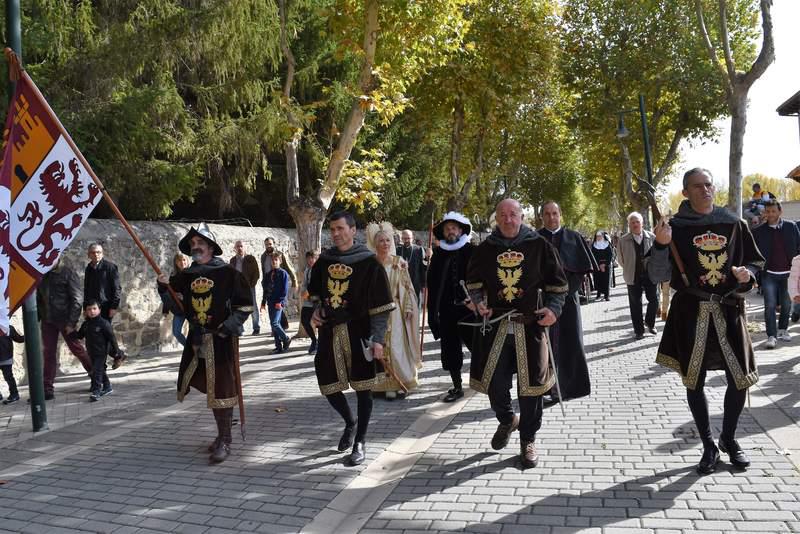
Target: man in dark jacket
pixel 101 282
pixel 59 304
pixel 567 333
pixel 275 299
pixel 247 264
pixel 414 256
pixel 779 242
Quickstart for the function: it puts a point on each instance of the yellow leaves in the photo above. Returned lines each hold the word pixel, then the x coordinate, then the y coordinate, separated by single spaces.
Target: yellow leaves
pixel 361 181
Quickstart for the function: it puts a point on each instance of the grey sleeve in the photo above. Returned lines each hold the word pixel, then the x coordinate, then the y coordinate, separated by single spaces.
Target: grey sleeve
pixel 659 268
pixel 554 301
pixel 378 324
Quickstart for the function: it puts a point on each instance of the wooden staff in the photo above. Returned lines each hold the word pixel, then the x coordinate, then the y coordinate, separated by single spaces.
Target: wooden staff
pixel 425 291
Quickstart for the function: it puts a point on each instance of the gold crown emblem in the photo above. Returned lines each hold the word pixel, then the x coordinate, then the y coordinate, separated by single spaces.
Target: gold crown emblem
pixel 202 285
pixel 710 241
pixel 510 258
pixel 340 271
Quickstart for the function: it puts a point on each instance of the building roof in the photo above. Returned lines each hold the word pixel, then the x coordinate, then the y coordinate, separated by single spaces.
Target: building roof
pixel 794 174
pixel 791 106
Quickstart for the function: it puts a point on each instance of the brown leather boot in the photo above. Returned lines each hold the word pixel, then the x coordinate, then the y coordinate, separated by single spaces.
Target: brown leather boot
pixel 224 418
pixel 528 454
pixel 503 433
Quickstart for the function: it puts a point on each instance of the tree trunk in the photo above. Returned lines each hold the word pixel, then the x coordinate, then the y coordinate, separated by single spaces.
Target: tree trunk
pixel 308 220
pixel 737 105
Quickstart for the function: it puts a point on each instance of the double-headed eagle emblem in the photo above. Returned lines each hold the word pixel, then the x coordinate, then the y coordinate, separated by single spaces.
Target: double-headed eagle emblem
pixel 338 283
pixel 510 274
pixel 201 304
pixel 714 264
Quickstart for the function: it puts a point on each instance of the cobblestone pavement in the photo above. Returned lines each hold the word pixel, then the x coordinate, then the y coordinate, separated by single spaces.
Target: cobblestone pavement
pixel 621 461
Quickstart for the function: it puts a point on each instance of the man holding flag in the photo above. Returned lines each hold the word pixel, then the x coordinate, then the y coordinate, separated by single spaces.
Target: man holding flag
pixel 216 301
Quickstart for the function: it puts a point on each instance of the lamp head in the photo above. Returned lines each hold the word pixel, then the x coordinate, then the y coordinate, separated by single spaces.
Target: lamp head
pixel 622 131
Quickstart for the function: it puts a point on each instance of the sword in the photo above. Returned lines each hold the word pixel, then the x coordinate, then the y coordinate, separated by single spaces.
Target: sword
pixel 486 326
pixel 551 357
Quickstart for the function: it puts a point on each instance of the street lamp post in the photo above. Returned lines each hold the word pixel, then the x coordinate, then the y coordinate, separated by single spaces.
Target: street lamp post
pixel 623 132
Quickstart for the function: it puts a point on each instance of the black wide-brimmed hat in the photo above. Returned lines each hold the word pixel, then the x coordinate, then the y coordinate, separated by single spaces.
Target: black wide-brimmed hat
pixel 203 231
pixel 452 216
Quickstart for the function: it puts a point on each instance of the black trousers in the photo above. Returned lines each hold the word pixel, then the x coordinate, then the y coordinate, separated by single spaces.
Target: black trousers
pixel 733 406
pixel 530 418
pixel 635 303
pixel 8 374
pixel 98 374
pixel 305 320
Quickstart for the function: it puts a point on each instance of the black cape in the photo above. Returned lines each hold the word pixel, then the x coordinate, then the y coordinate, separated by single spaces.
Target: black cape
pixel 567 334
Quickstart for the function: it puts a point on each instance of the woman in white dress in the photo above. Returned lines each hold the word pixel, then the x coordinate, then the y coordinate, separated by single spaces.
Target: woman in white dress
pixel 401 351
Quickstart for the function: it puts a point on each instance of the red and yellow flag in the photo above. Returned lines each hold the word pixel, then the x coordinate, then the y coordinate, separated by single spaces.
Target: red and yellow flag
pixel 48 189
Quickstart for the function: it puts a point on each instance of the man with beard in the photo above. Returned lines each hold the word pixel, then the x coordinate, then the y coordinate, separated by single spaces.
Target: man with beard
pixel 446 296
pixel 507 275
pixel 706 326
pixel 414 256
pixel 217 301
pixel 352 305
pixel 567 334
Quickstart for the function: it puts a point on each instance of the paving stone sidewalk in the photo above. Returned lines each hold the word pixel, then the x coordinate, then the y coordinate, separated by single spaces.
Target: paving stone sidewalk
pixel 621 461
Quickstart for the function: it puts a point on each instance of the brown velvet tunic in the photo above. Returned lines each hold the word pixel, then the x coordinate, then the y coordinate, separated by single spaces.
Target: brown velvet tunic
pixel 510 273
pixel 702 332
pixel 216 299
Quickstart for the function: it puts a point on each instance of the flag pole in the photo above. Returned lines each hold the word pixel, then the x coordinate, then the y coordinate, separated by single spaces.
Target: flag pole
pixel 99 184
pixel 425 290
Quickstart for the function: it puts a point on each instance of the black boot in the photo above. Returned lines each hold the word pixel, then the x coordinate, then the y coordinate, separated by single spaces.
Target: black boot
pixel 278 346
pixel 224 418
pixel 358 455
pixel 735 453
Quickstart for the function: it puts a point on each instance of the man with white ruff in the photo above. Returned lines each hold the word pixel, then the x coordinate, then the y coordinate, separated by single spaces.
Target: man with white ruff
pixel 447 296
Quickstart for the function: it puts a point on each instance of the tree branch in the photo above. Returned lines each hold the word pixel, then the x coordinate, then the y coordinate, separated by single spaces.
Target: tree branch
pixel 670 157
pixel 712 52
pixel 726 42
pixel 767 54
pixel 291 145
pixel 362 103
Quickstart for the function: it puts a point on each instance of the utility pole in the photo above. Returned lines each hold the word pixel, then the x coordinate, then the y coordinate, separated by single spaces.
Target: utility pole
pixel 30 320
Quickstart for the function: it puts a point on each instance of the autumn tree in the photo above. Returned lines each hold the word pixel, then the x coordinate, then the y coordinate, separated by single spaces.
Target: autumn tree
pixel 612 52
pixel 729 40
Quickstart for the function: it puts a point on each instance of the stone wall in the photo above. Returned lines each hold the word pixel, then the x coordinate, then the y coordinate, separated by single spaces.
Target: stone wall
pixel 139 325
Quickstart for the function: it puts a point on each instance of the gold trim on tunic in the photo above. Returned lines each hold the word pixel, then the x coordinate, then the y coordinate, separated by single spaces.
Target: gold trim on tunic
pixel 523 371
pixel 211 378
pixel 557 289
pixel 248 309
pixel 475 285
pixel 380 309
pixel 708 311
pixel 343 357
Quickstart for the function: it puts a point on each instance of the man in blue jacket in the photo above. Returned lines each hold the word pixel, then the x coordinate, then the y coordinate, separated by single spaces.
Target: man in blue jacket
pixel 779 242
pixel 275 298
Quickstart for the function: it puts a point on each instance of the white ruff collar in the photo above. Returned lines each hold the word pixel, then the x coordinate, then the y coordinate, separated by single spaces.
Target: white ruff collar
pixel 600 245
pixel 463 240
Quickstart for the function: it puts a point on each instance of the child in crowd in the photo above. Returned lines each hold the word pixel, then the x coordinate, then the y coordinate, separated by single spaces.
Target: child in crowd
pixel 100 343
pixel 7 361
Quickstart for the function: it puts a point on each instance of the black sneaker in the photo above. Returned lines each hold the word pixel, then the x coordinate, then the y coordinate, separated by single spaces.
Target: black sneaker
pixel 106 390
pixel 94 396
pixel 11 399
pixel 286 345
